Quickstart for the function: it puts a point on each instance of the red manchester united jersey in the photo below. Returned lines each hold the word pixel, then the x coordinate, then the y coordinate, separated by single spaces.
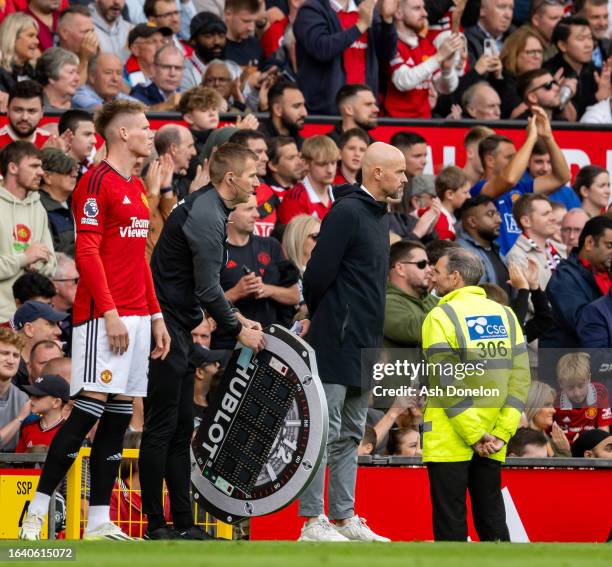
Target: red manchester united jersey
pixel 38 138
pixel 33 434
pixel 594 413
pixel 111 216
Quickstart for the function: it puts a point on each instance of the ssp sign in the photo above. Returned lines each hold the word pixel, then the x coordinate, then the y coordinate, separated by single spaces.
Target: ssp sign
pixel 263 436
pixel 17 488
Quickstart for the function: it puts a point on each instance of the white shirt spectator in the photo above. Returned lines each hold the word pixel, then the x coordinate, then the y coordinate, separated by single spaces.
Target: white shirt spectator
pixel 600 113
pixel 112 37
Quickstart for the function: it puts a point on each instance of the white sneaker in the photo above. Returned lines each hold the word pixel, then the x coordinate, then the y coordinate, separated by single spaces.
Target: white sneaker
pixel 320 530
pixel 108 530
pixel 32 526
pixel 356 529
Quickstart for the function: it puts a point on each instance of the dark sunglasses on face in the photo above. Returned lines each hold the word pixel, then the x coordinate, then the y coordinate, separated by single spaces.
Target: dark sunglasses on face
pixel 421 264
pixel 314 236
pixel 546 86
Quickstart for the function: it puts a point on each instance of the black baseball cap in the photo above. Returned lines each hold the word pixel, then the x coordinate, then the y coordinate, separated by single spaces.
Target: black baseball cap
pixel 49 385
pixel 202 355
pixel 206 22
pixel 146 31
pixel 32 310
pixel 587 440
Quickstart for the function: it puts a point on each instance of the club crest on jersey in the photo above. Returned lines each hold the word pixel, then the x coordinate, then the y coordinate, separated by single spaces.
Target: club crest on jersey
pixel 90 208
pixel 106 376
pixel 486 327
pixel 591 413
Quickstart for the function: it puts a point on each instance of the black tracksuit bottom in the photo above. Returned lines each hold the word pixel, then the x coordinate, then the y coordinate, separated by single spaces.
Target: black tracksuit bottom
pixel 166 437
pixel 448 484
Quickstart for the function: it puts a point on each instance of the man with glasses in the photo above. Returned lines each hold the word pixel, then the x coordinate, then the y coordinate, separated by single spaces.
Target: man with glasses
pixel 65 279
pixel 571 227
pixel 408 298
pixel 481 223
pixel 56 187
pixel 162 94
pixel 173 15
pixel 539 88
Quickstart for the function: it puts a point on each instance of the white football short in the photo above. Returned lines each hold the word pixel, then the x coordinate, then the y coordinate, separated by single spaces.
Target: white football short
pixel 97 369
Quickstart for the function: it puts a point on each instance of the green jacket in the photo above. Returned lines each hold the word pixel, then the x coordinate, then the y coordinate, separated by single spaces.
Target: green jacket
pixel 404 316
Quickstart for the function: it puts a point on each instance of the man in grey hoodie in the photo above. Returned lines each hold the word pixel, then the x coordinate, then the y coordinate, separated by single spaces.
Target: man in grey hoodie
pixel 25 240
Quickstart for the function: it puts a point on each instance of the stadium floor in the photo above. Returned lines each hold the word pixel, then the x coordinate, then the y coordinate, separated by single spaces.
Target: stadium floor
pixel 291 554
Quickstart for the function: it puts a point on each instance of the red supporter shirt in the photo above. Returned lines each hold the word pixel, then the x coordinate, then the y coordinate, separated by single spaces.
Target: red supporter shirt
pixel 595 413
pixel 354 56
pixel 33 434
pixel 45 34
pixel 111 215
pixel 601 278
pixel 302 200
pixel 267 205
pixel 272 37
pixel 38 138
pixel 445 225
pixel 415 102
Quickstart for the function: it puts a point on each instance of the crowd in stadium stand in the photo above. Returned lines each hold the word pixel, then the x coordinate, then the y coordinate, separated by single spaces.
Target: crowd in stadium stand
pixel 544 238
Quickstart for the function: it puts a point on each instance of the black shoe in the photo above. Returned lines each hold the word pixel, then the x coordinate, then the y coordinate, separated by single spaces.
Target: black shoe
pixel 194 533
pixel 162 533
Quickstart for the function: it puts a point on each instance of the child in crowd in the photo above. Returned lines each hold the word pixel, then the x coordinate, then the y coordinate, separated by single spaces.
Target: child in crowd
pixel 48 394
pixel 581 404
pixel 352 144
pixel 453 189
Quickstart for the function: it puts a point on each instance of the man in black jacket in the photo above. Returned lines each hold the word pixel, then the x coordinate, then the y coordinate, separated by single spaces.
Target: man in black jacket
pixel 186 266
pixel 344 288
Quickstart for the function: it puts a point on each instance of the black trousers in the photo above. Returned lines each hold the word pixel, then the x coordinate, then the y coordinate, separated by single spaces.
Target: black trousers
pixel 448 484
pixel 166 437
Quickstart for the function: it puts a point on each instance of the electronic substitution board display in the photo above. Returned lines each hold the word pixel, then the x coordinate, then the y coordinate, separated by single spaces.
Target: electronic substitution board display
pixel 262 438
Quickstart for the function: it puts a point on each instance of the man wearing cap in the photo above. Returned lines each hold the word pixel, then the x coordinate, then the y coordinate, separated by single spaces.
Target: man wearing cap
pixel 208 41
pixel 144 41
pixel 48 394
pixel 593 444
pixel 207 363
pixel 35 321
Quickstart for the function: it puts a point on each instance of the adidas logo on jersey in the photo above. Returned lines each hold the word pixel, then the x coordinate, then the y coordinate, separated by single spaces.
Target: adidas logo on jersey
pixel 115 457
pixel 126 201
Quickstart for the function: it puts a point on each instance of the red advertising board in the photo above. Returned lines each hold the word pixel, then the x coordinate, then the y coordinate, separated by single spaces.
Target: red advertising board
pixel 542 505
pixel 581 146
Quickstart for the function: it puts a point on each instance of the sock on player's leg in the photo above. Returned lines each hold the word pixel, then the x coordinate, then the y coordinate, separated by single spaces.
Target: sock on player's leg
pixel 106 458
pixel 64 449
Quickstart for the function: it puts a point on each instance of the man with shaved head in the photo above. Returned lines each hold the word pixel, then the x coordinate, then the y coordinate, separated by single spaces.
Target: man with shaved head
pixel 344 289
pixel 178 143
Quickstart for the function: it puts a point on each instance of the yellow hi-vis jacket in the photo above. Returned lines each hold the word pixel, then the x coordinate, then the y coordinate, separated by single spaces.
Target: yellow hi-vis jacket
pixel 477 346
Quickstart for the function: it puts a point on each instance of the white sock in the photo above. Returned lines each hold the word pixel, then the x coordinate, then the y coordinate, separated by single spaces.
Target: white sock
pixel 97 516
pixel 40 504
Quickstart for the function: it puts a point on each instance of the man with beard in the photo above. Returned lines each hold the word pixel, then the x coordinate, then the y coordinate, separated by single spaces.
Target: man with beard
pixel 481 224
pixel 287 112
pixel 358 109
pixel 539 88
pixel 112 30
pixel 208 42
pixel 25 109
pixel 408 298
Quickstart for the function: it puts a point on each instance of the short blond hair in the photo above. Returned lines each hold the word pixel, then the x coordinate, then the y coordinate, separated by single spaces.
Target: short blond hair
pixel 320 149
pixel 10 337
pixel 573 368
pixel 229 157
pixel 200 98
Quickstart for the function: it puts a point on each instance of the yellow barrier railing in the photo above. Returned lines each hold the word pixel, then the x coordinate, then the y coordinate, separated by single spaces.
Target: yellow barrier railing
pixel 76 501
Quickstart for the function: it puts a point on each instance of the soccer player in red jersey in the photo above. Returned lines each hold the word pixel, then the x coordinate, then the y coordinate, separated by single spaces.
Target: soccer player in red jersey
pixel 115 312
